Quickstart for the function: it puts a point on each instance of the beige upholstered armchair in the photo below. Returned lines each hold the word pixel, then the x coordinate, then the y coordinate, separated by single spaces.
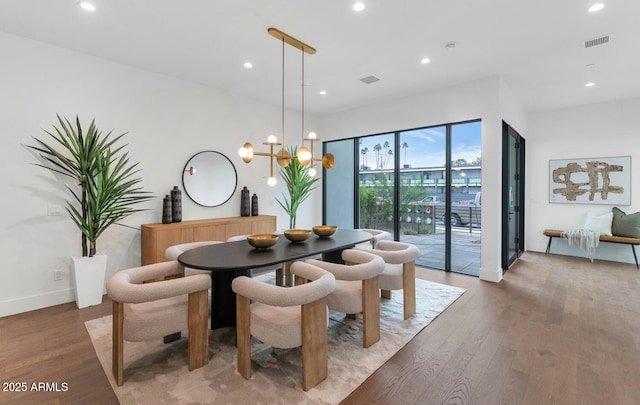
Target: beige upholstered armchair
pixel 399 271
pixel 377 236
pixel 172 253
pixel 286 317
pixel 357 289
pixel 144 311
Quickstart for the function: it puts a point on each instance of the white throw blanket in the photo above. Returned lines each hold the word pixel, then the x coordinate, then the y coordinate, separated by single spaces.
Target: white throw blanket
pixel 587 240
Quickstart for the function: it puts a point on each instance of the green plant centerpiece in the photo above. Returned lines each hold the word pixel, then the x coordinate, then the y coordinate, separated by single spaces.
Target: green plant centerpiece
pixel 104 188
pixel 299 184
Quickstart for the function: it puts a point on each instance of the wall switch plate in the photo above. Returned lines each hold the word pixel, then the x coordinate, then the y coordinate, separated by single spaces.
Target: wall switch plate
pixel 57 275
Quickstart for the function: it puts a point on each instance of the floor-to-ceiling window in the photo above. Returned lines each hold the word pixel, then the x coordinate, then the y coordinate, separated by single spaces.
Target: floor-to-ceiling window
pixel 376 183
pixel 422 185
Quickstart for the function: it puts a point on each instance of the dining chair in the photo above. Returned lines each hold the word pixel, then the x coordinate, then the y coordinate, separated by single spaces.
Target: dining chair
pixel 357 289
pixel 172 253
pixel 286 317
pixel 377 236
pixel 399 271
pixel 148 310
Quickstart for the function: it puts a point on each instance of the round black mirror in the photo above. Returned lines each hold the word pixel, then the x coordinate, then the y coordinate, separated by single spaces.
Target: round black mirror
pixel 209 178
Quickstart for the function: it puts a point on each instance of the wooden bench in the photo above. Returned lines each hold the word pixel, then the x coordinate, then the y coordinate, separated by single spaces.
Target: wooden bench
pixel 553 233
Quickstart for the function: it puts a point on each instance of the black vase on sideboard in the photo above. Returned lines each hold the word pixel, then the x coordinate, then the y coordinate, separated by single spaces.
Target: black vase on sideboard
pixel 245 202
pixel 254 205
pixel 176 204
pixel 167 215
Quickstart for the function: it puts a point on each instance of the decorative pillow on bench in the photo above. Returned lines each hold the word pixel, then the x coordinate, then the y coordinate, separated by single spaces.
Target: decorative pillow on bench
pixel 625 225
pixel 600 223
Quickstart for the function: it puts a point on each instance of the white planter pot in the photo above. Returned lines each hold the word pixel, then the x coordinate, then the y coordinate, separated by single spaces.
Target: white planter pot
pixel 89 279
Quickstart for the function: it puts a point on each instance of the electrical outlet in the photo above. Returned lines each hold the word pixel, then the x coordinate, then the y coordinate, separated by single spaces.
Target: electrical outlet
pixel 57 275
pixel 54 210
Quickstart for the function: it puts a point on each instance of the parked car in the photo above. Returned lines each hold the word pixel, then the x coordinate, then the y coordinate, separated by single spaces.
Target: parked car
pixel 462 212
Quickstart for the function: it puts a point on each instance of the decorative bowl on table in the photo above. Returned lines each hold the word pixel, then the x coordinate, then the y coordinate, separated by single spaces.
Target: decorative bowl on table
pixel 262 240
pixel 324 231
pixel 297 235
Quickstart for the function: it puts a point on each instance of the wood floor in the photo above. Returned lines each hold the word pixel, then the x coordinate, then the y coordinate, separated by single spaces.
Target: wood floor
pixel 556 330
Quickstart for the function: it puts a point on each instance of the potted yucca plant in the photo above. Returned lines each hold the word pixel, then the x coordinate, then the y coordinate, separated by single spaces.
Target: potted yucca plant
pixel 104 191
pixel 299 184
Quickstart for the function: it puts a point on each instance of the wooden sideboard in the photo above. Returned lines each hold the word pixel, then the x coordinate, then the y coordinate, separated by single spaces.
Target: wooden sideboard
pixel 158 237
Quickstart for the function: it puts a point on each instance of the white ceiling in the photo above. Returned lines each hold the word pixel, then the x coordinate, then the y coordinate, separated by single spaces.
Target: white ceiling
pixel 536 46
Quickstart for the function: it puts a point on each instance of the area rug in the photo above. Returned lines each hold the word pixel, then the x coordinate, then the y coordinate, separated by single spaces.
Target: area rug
pixel 157 373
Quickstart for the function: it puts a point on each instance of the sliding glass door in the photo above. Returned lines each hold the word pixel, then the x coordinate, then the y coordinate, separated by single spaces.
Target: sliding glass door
pixel 376 183
pixel 421 185
pixel 422 189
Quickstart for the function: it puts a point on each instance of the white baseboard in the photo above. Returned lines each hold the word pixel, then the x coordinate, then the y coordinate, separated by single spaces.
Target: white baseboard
pixel 25 304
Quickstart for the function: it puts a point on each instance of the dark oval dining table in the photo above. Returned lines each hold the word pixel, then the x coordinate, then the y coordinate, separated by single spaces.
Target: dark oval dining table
pixel 229 260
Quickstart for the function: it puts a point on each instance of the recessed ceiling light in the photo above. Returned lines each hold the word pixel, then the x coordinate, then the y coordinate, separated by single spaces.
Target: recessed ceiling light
pixel 322 92
pixel 359 6
pixel 424 61
pixel 87 6
pixel 596 7
pixel 248 65
pixel 590 84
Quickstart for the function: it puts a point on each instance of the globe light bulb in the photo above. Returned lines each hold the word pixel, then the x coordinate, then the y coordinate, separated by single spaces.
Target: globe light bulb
pixel 272 139
pixel 304 155
pixel 312 135
pixel 246 152
pixel 312 171
pixel 272 181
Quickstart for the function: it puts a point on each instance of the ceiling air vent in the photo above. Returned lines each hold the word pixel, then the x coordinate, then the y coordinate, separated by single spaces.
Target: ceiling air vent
pixel 597 41
pixel 369 79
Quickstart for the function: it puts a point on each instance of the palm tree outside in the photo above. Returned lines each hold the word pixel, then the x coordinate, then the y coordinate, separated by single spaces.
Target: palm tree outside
pixel 405 146
pixel 389 156
pixel 377 148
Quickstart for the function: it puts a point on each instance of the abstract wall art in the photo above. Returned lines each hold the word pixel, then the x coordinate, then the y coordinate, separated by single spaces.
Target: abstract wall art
pixel 604 180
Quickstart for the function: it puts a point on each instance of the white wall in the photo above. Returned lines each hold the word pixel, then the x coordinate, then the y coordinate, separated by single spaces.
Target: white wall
pixel 480 99
pixel 596 130
pixel 168 121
